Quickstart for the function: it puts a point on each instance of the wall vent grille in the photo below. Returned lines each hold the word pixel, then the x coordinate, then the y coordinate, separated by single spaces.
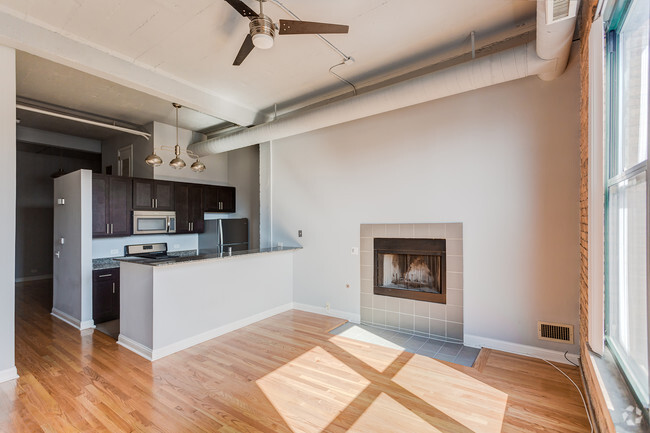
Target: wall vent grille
pixel 559 10
pixel 555 332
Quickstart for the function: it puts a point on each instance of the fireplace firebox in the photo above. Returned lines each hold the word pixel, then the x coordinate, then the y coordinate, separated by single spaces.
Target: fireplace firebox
pixel 411 269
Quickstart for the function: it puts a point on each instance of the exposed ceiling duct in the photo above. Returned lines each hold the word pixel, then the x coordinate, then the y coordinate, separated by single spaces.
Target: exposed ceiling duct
pixel 546 58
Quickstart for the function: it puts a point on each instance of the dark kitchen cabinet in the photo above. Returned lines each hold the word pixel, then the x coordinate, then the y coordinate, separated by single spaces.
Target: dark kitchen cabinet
pixel 188 200
pixel 149 194
pixel 218 198
pixel 111 205
pixel 106 295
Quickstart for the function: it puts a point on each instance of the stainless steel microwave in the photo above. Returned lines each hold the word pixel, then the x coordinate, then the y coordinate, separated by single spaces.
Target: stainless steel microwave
pixel 153 222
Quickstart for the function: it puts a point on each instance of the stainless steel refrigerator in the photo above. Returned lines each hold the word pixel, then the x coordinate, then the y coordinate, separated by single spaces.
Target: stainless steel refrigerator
pixel 225 235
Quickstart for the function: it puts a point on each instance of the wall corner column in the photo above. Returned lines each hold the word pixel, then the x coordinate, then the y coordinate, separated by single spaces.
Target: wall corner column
pixel 8 214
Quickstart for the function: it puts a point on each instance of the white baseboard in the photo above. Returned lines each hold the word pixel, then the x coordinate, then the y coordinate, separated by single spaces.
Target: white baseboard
pixel 351 317
pixel 8 374
pixel 155 354
pixel 519 349
pixel 33 278
pixel 135 347
pixel 72 321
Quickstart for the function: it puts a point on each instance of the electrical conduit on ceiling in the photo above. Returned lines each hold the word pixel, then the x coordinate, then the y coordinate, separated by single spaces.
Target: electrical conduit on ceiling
pixel 546 58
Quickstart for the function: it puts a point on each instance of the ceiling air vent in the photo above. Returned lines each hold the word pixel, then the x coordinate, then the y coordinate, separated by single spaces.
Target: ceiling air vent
pixel 555 332
pixel 558 10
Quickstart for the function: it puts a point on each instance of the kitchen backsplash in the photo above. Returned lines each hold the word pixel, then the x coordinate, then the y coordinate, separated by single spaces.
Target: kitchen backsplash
pixel 114 247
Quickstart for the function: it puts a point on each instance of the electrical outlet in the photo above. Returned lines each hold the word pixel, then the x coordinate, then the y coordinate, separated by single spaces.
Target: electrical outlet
pixel 355 251
pixel 299 233
pixel 327 306
pixel 115 252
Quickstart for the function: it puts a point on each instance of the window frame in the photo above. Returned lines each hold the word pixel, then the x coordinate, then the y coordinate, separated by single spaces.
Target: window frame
pixel 614 24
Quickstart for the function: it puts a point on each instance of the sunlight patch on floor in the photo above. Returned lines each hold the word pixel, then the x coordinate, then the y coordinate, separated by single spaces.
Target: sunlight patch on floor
pixel 385 411
pixel 377 358
pixel 310 391
pixel 468 401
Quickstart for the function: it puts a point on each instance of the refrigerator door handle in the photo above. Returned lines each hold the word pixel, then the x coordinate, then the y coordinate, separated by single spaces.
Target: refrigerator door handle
pixel 220 240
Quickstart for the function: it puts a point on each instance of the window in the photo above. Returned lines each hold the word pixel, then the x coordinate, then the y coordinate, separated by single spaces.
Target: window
pixel 626 198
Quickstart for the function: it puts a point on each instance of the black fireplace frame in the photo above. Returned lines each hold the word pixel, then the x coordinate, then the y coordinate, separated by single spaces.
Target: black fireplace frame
pixel 432 247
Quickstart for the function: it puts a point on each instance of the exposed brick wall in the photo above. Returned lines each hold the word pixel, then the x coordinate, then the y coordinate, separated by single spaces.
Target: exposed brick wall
pixel 587 13
pixel 602 420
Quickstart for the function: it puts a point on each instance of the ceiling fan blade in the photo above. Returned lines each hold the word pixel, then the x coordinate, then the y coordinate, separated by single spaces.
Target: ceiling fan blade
pixel 292 27
pixel 244 51
pixel 241 7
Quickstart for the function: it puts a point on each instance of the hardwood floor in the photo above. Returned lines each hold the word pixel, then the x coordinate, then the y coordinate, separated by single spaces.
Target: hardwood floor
pixel 283 374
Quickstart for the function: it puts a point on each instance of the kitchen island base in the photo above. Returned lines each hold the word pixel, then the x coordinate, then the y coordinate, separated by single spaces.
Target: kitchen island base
pixel 166 309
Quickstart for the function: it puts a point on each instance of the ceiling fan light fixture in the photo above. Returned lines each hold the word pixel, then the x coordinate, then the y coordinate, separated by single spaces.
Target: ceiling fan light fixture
pixel 262 41
pixel 262 32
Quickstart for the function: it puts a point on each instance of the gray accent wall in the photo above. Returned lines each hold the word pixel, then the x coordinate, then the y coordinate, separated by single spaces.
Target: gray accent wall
pixel 141 149
pixel 34 203
pixel 243 174
pixel 73 268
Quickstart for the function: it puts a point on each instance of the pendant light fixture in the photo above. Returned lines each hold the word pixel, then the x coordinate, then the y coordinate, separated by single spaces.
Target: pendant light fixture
pixel 153 159
pixel 177 162
pixel 198 166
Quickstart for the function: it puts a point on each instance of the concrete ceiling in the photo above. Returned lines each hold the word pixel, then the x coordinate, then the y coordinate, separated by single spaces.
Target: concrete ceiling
pixel 129 60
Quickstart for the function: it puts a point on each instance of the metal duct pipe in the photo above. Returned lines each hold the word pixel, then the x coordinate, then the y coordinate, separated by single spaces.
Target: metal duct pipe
pixel 554 36
pixel 507 65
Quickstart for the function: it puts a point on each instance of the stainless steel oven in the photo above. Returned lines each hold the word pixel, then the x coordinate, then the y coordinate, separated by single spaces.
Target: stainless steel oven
pixel 153 222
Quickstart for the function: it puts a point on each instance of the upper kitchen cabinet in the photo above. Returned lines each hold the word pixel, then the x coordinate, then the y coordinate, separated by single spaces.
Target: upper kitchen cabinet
pixel 111 206
pixel 151 194
pixel 218 198
pixel 188 198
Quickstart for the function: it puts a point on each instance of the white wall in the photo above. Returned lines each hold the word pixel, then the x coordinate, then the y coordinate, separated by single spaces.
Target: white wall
pixel 243 172
pixel 8 214
pixel 216 171
pixel 72 270
pixel 502 160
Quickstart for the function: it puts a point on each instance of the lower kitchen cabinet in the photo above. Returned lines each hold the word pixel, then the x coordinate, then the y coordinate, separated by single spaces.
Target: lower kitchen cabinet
pixel 106 295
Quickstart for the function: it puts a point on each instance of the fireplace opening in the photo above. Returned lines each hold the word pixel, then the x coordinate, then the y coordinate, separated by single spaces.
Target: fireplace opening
pixel 410 268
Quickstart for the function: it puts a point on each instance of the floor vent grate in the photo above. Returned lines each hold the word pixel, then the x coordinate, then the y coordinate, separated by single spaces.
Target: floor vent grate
pixel 555 332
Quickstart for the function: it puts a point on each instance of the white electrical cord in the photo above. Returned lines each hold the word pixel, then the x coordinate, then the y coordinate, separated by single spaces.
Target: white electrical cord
pixel 579 392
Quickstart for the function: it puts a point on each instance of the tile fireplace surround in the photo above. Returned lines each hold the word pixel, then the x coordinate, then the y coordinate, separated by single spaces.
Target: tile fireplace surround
pixel 427 319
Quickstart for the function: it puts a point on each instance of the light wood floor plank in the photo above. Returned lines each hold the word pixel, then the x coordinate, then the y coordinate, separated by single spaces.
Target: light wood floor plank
pixel 285 374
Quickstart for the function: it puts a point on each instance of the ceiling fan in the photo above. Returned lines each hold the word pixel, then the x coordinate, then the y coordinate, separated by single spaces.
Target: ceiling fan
pixel 262 29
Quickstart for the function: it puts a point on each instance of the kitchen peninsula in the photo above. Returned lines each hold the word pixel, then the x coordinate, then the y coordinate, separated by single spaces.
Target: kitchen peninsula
pixel 172 304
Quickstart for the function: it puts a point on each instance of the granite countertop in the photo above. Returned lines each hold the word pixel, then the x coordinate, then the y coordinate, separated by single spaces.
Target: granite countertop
pixel 105 263
pixel 114 262
pixel 176 257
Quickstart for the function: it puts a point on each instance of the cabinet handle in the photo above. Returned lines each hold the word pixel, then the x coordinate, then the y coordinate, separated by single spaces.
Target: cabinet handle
pixel 153 204
pixel 113 288
pixel 189 227
pixel 107 232
pixel 192 227
pixel 105 275
pixel 156 203
pixel 111 228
